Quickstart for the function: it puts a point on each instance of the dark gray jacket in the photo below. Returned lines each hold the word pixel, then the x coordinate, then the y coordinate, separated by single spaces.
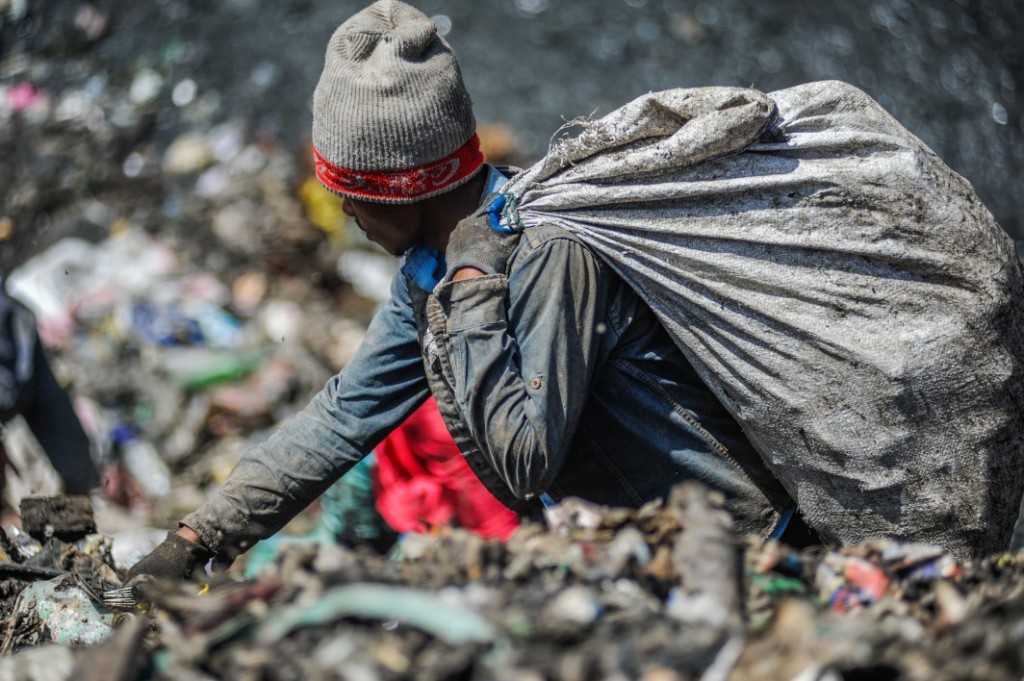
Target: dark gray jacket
pixel 554 377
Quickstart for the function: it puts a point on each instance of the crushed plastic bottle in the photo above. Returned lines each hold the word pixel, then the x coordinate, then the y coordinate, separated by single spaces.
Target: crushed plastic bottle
pixel 144 464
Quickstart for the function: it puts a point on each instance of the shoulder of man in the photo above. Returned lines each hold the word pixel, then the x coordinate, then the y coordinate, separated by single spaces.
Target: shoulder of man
pixel 543 236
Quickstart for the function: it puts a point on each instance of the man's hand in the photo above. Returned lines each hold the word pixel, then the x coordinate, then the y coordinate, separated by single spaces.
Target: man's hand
pixel 467 273
pixel 177 558
pixel 475 250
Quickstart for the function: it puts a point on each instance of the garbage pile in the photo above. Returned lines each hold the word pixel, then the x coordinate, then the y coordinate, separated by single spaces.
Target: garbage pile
pixel 185 273
pixel 192 280
pixel 164 359
pixel 661 593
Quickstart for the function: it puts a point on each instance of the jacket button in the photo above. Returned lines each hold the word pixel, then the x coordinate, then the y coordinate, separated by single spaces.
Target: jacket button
pixel 536 383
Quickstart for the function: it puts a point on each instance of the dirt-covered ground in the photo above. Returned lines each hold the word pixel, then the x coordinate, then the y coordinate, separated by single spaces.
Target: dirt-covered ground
pixel 662 593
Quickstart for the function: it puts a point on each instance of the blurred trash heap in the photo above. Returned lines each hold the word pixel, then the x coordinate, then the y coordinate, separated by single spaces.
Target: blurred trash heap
pixel 661 592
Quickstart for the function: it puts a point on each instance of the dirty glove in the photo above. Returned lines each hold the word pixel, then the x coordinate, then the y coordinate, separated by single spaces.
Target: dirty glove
pixel 176 558
pixel 474 244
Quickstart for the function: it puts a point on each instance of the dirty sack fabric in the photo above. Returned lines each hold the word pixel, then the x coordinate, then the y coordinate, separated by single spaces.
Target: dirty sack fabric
pixel 841 290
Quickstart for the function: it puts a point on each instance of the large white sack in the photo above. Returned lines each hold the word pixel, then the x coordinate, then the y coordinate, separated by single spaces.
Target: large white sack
pixel 841 290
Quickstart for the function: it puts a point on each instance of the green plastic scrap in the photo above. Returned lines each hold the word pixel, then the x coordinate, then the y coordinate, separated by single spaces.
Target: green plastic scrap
pixel 449 622
pixel 196 368
pixel 780 585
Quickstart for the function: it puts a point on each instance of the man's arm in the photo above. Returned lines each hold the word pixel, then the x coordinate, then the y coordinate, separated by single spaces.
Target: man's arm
pixel 272 482
pixel 522 363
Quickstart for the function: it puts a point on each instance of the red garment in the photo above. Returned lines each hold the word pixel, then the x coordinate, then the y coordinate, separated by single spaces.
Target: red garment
pixel 422 482
pixel 402 185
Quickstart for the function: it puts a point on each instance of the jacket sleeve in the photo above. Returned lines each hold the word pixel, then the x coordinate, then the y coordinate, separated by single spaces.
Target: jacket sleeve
pixel 355 410
pixel 523 352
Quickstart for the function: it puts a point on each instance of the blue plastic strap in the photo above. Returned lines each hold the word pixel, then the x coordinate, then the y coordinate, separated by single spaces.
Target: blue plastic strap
pixel 502 215
pixel 783 523
pixel 494 213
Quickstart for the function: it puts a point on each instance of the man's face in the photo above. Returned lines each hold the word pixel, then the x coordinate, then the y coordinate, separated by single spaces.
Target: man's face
pixel 394 227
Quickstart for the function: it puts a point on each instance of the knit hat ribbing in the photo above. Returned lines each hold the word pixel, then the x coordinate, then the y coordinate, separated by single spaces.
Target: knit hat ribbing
pixel 391 102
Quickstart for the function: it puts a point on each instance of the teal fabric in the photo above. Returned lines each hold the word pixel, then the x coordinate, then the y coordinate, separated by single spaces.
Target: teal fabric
pixel 348 516
pixel 348 511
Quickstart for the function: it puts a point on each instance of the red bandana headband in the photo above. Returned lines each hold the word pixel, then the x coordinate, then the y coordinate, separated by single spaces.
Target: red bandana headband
pixel 400 186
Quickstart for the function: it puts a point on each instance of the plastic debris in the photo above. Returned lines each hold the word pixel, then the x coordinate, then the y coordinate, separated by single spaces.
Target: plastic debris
pixel 187 154
pixel 65 612
pixel 448 622
pixel 145 465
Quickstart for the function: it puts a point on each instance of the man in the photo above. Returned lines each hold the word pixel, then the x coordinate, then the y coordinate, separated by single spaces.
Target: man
pixel 552 376
pixel 29 389
pixel 416 481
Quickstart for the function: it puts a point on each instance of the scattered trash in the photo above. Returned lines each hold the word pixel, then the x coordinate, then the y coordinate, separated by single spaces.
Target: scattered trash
pixel 144 464
pixel 448 622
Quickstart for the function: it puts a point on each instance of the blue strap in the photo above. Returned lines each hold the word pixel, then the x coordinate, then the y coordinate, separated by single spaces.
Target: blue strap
pixel 783 523
pixel 547 500
pixel 503 216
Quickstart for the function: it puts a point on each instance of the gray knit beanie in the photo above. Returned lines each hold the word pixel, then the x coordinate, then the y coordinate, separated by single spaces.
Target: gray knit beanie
pixel 392 120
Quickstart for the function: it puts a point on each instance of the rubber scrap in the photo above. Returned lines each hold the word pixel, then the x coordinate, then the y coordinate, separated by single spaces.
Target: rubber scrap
pixel 67 517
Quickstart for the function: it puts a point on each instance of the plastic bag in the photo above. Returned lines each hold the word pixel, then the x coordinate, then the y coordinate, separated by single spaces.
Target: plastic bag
pixel 842 291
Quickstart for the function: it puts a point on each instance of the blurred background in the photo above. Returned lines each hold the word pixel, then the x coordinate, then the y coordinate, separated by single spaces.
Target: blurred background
pixel 124 79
